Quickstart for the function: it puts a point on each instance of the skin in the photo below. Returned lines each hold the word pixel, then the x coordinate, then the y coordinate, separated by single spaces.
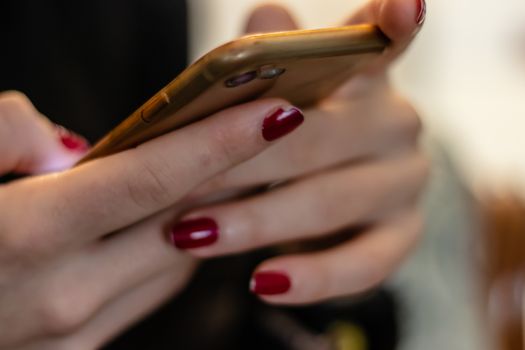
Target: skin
pixel 66 284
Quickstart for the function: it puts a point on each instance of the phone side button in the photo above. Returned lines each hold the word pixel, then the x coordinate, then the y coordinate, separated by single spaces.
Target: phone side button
pixel 152 109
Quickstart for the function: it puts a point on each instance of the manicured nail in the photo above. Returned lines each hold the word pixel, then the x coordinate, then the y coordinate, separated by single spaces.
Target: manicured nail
pixel 195 233
pixel 421 11
pixel 270 283
pixel 71 141
pixel 281 122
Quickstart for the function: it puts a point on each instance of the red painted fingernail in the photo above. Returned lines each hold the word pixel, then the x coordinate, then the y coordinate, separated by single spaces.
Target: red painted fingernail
pixel 281 122
pixel 195 233
pixel 421 11
pixel 72 141
pixel 270 283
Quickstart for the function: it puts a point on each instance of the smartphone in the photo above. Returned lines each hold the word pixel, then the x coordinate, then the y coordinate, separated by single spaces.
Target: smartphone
pixel 300 66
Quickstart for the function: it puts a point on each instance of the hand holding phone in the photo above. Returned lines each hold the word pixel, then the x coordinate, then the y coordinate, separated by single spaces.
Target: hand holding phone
pixel 301 66
pixel 85 252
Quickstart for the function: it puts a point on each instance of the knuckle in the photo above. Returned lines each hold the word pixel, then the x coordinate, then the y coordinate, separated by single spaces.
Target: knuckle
pixel 16 114
pixel 17 246
pixel 153 183
pixel 28 242
pixel 226 147
pixel 14 96
pixel 14 104
pixel 60 313
pixel 408 122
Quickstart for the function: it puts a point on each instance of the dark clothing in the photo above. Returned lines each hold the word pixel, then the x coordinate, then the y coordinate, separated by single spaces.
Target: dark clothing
pixel 87 65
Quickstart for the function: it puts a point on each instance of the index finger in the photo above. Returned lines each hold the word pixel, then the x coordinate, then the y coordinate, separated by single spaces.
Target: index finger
pixel 110 193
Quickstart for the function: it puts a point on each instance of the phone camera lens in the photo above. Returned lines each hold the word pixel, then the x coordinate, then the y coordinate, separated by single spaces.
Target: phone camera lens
pixel 270 72
pixel 240 79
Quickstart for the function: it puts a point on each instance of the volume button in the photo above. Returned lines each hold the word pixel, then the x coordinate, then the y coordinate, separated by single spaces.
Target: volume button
pixel 153 107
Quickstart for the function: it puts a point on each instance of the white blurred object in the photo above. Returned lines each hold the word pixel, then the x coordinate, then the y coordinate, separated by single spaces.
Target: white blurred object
pixel 217 21
pixel 464 73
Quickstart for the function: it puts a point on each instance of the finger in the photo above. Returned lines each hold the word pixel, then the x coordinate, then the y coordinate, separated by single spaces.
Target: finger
pixel 107 194
pixel 126 260
pixel 115 317
pixel 399 20
pixel 270 18
pixel 356 131
pixel 67 294
pixel 350 268
pixel 309 208
pixel 128 309
pixel 30 143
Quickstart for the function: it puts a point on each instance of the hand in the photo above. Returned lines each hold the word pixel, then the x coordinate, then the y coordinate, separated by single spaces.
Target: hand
pixel 84 252
pixel 355 163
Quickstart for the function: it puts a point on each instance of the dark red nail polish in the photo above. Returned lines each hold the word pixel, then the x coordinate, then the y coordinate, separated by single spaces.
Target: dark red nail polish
pixel 421 11
pixel 281 122
pixel 270 283
pixel 195 233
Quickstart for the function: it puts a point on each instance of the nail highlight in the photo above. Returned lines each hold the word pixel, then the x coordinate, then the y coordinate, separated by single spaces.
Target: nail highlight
pixel 281 122
pixel 270 283
pixel 421 11
pixel 194 233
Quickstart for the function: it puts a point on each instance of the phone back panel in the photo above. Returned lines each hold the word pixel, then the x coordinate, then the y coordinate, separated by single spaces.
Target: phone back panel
pixel 302 67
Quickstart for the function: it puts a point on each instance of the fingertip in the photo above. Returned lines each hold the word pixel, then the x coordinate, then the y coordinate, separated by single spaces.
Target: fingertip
pixel 70 148
pixel 57 149
pixel 401 19
pixel 71 141
pixel 285 281
pixel 268 18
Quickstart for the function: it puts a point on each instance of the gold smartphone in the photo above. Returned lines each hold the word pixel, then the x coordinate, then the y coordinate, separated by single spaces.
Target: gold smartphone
pixel 300 66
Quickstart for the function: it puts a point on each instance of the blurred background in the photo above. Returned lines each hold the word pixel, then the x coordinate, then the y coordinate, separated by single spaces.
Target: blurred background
pixel 465 73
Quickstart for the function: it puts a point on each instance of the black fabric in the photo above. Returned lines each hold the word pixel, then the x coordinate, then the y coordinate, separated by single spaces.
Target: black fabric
pixel 87 65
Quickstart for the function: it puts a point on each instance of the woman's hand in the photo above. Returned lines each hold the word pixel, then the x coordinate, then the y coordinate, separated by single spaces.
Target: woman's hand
pixel 84 252
pixel 354 164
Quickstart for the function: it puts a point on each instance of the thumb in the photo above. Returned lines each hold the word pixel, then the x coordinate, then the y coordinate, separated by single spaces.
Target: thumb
pixel 400 20
pixel 30 143
pixel 269 18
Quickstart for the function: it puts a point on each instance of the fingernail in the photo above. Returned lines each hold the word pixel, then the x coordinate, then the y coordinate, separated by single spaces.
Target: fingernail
pixel 71 141
pixel 281 122
pixel 270 283
pixel 421 11
pixel 195 233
